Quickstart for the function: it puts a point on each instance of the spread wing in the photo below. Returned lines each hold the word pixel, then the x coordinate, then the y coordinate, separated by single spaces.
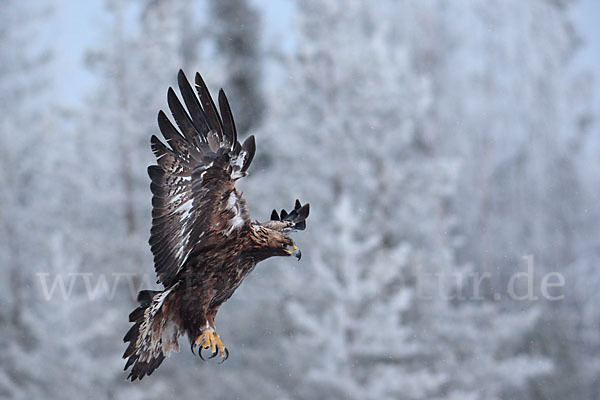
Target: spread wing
pixel 194 199
pixel 289 222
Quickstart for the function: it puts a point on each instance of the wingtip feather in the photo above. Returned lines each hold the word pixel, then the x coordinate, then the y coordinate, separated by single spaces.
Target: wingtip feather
pixel 249 147
pixel 227 117
pixel 274 216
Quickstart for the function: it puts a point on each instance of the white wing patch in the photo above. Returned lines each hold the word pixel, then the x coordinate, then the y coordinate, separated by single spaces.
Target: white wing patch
pixel 237 221
pixel 239 160
pixel 237 163
pixel 231 201
pixel 185 219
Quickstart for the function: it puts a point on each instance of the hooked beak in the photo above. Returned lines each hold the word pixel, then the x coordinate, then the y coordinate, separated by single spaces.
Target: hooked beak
pixel 296 252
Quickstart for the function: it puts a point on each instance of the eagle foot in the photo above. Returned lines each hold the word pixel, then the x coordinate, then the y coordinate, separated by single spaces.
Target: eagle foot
pixel 209 339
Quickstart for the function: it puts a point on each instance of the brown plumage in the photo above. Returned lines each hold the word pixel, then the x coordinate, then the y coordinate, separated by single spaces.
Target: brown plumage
pixel 202 238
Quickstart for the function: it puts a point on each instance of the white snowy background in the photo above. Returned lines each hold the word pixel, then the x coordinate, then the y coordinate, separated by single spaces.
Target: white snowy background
pixel 450 151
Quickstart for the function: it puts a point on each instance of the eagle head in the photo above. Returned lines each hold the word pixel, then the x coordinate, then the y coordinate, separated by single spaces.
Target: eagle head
pixel 283 245
pixel 291 249
pixel 270 242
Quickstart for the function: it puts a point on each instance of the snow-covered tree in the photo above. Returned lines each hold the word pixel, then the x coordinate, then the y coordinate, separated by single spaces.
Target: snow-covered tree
pixel 25 172
pixel 435 140
pixel 520 130
pixel 356 134
pixel 236 33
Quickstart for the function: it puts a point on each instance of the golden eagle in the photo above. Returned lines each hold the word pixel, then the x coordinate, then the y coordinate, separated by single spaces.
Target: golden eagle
pixel 202 238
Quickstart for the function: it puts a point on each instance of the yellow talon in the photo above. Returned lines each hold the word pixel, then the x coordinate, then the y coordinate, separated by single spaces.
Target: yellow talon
pixel 210 339
pixel 219 345
pixel 203 340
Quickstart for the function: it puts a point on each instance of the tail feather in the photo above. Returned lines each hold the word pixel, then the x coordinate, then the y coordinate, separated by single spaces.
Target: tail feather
pixel 153 335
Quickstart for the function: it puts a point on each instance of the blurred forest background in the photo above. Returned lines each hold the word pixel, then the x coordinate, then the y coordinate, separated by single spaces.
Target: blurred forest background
pixel 437 141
